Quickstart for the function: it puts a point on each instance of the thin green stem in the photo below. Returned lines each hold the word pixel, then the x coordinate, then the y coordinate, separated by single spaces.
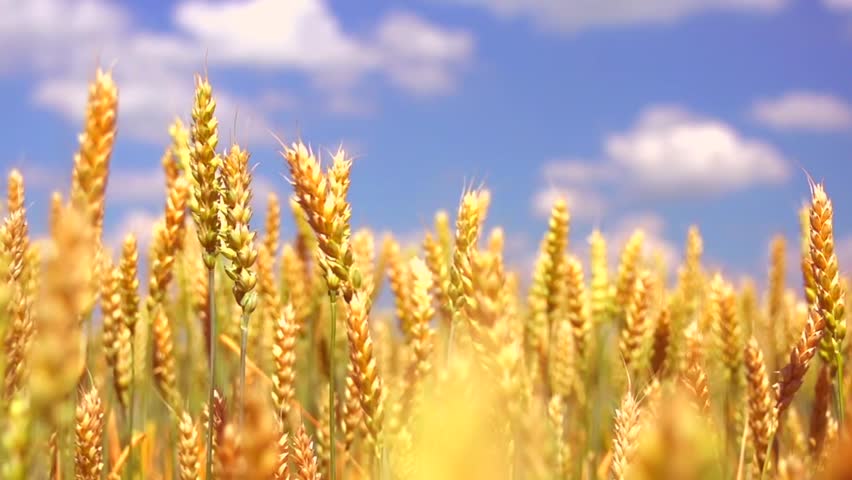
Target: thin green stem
pixel 211 314
pixel 131 464
pixel 244 326
pixel 331 385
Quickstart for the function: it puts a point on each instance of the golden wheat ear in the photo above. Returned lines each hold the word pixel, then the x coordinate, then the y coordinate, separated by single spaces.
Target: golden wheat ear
pixel 88 458
pixel 762 415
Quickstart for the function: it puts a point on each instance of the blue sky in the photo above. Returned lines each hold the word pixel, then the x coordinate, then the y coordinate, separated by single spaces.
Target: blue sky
pixel 657 114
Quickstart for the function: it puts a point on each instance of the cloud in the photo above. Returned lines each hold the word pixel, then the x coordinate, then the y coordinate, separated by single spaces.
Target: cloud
pixel 576 15
pixel 421 57
pixel 670 150
pixel 62 40
pixel 802 110
pixel 838 4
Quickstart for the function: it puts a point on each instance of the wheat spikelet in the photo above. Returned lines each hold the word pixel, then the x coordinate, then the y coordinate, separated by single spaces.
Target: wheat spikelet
pixel 694 377
pixel 628 267
pixel 727 325
pixel 777 312
pixel 304 460
pixel 437 260
pixel 218 414
pixel 269 297
pixel 123 366
pixel 323 433
pixel 128 285
pixel 323 200
pixel 761 403
pixel 808 279
pixel 562 361
pixel 15 231
pixel 164 370
pixel 284 359
pixel 88 460
pixel 167 242
pixel 282 469
pixel 635 322
pixel 601 290
pixel 91 163
pixel 546 292
pixel 17 342
pixel 556 416
pixel 352 416
pixel 14 235
pixel 627 428
pixel 204 166
pixel 238 238
pixel 829 291
pixel 361 355
pixel 399 276
pixel 188 448
pixel 690 276
pixel 469 222
pixel 272 230
pixel 421 334
pixel 793 374
pixel 662 339
pixel 111 312
pixel 575 301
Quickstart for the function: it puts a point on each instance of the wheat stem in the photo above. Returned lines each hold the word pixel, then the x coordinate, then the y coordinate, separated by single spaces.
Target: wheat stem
pixel 132 458
pixel 244 330
pixel 211 314
pixel 332 425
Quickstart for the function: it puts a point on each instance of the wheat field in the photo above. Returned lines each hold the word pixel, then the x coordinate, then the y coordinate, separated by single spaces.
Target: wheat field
pixel 233 351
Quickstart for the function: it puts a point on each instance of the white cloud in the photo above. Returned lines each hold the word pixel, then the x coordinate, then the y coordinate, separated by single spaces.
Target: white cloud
pixel 802 110
pixel 269 33
pixel 421 57
pixel 575 15
pixel 672 151
pixel 63 40
pixel 667 152
pixel 838 4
